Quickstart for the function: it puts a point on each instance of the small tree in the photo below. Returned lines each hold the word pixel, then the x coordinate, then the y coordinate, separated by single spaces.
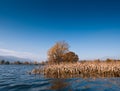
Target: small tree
pixel 26 62
pixel 109 60
pixel 7 62
pixel 17 62
pixel 35 62
pixel 56 53
pixel 70 57
pixel 2 61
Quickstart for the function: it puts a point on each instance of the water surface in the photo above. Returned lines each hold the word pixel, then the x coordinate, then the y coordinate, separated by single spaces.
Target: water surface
pixel 16 78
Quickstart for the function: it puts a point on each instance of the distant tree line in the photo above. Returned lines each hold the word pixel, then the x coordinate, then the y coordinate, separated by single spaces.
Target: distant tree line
pixel 20 63
pixel 58 53
pixel 108 60
pixel 4 62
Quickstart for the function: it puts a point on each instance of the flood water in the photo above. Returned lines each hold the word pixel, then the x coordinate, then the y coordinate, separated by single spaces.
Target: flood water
pixel 16 78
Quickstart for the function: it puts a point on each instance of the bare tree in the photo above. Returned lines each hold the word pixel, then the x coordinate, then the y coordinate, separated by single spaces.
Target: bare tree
pixel 56 53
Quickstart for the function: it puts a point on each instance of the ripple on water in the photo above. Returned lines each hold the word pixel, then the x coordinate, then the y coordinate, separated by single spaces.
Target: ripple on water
pixel 15 78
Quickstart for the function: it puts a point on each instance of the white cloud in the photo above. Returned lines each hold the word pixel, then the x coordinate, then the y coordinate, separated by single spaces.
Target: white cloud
pixel 6 52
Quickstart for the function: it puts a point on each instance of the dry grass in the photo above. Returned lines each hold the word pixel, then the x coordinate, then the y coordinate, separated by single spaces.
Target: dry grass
pixel 81 69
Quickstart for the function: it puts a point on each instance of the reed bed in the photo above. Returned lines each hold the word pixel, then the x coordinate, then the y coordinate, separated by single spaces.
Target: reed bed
pixel 79 69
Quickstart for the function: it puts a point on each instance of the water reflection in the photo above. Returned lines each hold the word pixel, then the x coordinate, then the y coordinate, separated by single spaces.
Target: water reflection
pixel 60 84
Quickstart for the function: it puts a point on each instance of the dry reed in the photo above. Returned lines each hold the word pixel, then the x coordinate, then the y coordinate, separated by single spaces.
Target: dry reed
pixel 79 69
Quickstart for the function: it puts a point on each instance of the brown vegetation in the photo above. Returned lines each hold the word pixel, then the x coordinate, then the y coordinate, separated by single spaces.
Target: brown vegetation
pixel 70 57
pixel 81 69
pixel 60 53
pixel 57 51
pixel 63 63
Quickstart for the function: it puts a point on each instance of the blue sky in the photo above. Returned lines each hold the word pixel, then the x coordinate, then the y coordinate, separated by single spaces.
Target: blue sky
pixel 28 28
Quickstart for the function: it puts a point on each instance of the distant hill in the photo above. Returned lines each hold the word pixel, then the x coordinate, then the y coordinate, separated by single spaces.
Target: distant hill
pixel 13 59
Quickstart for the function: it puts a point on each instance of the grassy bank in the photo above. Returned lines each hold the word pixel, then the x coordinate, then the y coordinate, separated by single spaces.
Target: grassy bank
pixel 81 69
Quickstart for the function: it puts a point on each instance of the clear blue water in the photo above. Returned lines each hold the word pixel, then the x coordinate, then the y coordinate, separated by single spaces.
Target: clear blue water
pixel 16 78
